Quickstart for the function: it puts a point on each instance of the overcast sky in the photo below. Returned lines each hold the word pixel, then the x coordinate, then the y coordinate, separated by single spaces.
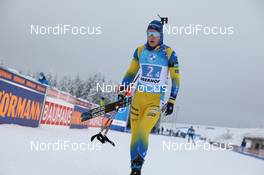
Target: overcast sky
pixel 221 75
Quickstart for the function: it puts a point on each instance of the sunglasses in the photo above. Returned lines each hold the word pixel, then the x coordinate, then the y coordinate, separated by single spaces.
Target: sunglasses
pixel 155 34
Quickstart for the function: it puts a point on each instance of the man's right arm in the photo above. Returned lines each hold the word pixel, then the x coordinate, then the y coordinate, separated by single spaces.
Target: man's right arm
pixel 133 68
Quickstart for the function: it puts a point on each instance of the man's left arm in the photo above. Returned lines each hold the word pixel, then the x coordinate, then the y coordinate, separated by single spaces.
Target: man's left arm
pixel 175 80
pixel 175 76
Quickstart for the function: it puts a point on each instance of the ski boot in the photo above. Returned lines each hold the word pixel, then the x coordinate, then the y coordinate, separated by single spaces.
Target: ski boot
pixel 136 166
pixel 135 172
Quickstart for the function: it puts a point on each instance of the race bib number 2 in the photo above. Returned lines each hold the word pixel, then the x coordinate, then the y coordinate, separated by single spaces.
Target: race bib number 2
pixel 151 71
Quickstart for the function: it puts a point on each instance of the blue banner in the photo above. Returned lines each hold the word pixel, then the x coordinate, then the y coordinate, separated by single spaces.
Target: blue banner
pixel 120 119
pixel 20 105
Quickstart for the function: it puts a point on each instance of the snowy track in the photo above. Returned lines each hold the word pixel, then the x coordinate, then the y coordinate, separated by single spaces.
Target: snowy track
pixel 18 157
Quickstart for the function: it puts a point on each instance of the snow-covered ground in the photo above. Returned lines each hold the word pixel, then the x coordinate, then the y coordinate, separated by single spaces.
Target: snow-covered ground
pixel 19 155
pixel 217 134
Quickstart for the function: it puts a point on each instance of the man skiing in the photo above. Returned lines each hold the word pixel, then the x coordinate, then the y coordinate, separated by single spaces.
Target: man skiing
pixel 190 134
pixel 155 61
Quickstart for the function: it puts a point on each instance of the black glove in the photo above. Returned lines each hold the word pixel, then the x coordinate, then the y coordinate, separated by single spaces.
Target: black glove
pixel 169 108
pixel 120 92
pixel 121 96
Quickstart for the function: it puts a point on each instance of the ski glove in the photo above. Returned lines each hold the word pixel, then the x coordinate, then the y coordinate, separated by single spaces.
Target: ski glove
pixel 121 95
pixel 169 108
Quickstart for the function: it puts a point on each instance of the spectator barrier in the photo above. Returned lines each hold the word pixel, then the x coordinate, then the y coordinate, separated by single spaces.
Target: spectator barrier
pixel 26 102
pixel 21 99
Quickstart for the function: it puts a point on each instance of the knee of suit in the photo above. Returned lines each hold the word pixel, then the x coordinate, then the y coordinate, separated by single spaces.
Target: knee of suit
pixel 141 128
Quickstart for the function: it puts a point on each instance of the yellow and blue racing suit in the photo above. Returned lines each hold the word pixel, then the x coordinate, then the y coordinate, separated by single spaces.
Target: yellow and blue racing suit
pixel 154 66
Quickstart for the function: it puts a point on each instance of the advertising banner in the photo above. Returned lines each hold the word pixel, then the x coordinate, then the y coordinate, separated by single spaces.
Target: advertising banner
pixel 120 119
pixel 76 118
pixel 57 112
pixel 21 100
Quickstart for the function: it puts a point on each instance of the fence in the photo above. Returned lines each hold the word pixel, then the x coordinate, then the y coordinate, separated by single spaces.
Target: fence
pixel 26 102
